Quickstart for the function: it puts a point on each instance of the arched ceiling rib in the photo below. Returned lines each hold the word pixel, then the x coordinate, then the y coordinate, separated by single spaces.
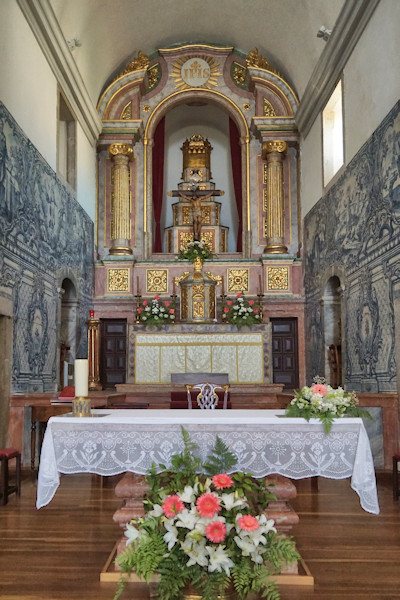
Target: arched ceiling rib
pixel 112 31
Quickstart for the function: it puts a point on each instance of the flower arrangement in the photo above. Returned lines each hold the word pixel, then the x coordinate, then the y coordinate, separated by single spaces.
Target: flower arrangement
pixel 241 311
pixel 205 531
pixel 321 401
pixel 195 250
pixel 156 312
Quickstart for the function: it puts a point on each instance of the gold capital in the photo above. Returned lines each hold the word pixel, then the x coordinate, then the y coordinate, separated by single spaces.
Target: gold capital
pixel 273 146
pixel 121 148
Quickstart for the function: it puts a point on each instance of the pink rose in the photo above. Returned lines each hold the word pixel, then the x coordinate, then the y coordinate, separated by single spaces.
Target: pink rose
pixel 239 295
pixel 226 309
pixel 256 310
pixel 251 302
pixel 171 311
pixel 167 303
pixel 139 310
pixel 229 302
pixel 156 297
pixel 144 302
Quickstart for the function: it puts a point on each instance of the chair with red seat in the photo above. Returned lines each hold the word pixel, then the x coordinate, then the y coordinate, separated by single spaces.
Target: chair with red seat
pixel 7 454
pixel 396 483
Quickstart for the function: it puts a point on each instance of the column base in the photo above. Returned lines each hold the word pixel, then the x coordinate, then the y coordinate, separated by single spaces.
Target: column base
pixel 120 250
pixel 275 249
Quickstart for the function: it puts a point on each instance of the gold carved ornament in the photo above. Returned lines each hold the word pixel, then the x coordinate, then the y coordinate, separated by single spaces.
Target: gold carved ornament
pixel 195 72
pixel 206 215
pixel 239 74
pixel 265 174
pixel 265 199
pixel 256 60
pixel 216 278
pixel 198 291
pixel 126 114
pixel 223 241
pixel 278 278
pixel 238 280
pixel 179 278
pixel 265 226
pixel 273 146
pixel 156 280
pixel 153 75
pixel 137 64
pixel 198 309
pixel 121 148
pixel 186 215
pixel 268 109
pixel 118 280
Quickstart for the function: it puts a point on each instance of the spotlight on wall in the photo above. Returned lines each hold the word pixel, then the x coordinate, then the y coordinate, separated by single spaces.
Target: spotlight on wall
pixel 74 43
pixel 324 33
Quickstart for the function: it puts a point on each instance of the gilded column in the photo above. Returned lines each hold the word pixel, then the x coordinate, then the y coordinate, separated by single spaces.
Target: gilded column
pixel 273 152
pixel 94 352
pixel 121 154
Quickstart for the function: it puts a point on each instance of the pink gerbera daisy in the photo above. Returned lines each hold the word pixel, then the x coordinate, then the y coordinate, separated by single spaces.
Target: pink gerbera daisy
pixel 216 531
pixel 172 505
pixel 222 481
pixel 248 523
pixel 208 505
pixel 320 389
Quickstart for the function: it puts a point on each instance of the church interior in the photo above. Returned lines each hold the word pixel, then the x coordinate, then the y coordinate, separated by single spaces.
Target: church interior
pixel 266 132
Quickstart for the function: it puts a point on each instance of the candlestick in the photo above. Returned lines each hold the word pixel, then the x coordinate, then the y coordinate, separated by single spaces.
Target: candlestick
pixel 81 377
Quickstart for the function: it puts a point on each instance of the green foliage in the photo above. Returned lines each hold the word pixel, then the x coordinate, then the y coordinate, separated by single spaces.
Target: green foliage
pixel 221 460
pixel 195 250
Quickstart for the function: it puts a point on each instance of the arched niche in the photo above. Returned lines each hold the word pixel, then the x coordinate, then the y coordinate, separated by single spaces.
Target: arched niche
pixel 332 302
pixel 68 329
pixel 170 103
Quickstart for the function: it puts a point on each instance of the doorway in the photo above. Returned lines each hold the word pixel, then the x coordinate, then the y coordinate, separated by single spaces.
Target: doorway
pixel 285 361
pixel 113 352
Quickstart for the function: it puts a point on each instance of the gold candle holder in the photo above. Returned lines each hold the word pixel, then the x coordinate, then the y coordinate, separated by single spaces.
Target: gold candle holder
pixel 81 407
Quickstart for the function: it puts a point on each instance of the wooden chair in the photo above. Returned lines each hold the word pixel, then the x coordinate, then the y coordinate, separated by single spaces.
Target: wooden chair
pixel 213 391
pixel 207 398
pixel 7 454
pixel 396 483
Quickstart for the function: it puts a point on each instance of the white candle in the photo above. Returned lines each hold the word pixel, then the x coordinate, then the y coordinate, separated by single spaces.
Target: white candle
pixel 81 377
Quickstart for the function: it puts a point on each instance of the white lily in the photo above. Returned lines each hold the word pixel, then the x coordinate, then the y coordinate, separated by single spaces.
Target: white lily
pixel 156 511
pixel 186 519
pixel 131 533
pixel 245 544
pixel 219 560
pixel 197 555
pixel 230 502
pixel 171 537
pixel 188 494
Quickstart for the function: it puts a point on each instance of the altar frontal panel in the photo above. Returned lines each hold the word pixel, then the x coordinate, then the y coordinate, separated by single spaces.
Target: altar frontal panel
pixel 159 355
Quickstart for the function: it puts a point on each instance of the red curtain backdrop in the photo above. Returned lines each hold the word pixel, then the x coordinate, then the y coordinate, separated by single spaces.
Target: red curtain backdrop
pixel 158 181
pixel 236 159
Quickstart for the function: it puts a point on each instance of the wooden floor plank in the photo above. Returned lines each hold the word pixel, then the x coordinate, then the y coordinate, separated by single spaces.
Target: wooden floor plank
pixel 58 552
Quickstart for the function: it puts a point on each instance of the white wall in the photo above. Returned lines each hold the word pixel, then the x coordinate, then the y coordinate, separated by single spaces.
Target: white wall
pixel 371 89
pixel 86 174
pixel 213 123
pixel 29 91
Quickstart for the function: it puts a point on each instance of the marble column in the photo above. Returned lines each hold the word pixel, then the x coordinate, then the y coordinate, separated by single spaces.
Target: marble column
pixel 273 152
pixel 121 154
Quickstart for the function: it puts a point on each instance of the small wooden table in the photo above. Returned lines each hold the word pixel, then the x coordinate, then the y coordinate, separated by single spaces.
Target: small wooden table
pixel 41 414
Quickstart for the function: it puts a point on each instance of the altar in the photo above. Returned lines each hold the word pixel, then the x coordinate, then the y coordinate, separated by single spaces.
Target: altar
pixel 193 348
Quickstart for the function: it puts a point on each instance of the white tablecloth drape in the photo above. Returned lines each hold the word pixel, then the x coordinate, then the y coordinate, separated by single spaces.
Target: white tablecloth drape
pixel 264 441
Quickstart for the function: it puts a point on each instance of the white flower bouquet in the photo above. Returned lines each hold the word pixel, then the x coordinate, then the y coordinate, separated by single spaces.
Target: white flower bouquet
pixel 321 401
pixel 195 250
pixel 156 312
pixel 241 311
pixel 205 531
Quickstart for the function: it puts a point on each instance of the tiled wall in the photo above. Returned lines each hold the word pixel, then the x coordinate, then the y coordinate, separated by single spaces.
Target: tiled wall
pixel 354 232
pixel 45 237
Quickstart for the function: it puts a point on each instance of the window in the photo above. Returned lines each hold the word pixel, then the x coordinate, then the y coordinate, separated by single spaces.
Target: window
pixel 66 143
pixel 332 132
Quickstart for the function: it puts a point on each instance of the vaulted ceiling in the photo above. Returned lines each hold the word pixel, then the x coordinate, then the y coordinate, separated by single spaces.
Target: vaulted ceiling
pixel 113 31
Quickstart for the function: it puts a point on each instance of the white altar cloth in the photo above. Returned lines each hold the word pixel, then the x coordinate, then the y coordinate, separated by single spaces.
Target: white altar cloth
pixel 117 441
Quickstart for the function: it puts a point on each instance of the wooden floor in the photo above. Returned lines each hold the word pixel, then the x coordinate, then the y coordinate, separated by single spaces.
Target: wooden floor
pixel 58 552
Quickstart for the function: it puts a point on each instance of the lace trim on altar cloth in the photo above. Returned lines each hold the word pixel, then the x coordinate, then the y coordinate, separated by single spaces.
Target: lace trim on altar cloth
pixel 294 452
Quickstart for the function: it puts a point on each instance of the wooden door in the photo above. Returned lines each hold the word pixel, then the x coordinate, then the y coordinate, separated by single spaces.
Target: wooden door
pixel 113 352
pixel 285 352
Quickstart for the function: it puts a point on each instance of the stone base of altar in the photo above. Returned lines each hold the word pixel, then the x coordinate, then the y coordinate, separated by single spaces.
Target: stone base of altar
pixel 132 487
